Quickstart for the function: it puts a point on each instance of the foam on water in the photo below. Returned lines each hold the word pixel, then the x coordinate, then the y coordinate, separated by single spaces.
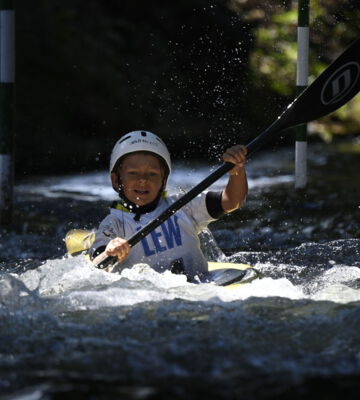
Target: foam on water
pixel 335 285
pixel 73 283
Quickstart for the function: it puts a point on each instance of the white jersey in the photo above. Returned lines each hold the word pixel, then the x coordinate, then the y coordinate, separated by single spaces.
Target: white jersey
pixel 173 242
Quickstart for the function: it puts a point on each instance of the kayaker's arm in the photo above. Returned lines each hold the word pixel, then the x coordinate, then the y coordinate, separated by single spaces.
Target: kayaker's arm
pixel 234 194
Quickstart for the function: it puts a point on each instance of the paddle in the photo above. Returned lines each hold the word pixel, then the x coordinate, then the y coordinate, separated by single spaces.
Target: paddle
pixel 337 84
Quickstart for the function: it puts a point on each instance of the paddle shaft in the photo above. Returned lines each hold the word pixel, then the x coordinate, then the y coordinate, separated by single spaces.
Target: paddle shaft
pixel 332 89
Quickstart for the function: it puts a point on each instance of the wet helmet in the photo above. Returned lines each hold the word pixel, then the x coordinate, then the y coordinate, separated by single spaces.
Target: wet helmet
pixel 139 141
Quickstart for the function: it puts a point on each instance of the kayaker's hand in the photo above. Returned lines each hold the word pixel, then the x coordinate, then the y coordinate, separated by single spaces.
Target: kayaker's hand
pixel 119 248
pixel 236 155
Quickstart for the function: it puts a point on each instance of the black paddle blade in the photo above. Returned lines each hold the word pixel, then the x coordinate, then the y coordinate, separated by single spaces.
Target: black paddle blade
pixel 229 276
pixel 337 84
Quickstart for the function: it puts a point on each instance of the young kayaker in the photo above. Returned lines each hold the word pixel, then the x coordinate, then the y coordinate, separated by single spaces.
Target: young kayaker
pixel 139 168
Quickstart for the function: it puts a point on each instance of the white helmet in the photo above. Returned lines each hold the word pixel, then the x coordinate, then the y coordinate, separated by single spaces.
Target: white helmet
pixel 139 141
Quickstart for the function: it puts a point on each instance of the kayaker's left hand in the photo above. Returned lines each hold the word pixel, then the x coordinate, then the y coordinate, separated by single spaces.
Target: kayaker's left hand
pixel 237 156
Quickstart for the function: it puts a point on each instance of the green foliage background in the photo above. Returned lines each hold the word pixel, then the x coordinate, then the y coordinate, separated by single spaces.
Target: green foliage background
pixel 334 24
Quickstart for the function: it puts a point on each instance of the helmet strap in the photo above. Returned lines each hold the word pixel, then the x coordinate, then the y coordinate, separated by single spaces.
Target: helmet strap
pixel 136 209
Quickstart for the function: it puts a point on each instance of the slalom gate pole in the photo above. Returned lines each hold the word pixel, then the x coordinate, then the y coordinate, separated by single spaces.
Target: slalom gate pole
pixel 7 74
pixel 302 74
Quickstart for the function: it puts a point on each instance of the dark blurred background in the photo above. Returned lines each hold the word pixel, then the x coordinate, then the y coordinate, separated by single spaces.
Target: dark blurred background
pixel 201 74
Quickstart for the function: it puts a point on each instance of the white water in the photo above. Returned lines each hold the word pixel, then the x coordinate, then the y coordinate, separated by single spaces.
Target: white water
pixel 74 284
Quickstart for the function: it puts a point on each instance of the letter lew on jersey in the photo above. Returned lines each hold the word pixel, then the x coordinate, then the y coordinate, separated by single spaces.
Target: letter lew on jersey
pixel 166 237
pixel 340 83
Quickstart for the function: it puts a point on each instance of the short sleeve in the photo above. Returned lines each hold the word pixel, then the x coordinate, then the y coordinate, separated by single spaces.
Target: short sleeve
pixel 214 205
pixel 197 211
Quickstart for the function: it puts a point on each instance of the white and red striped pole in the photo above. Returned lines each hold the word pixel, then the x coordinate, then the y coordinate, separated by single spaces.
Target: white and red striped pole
pixel 302 74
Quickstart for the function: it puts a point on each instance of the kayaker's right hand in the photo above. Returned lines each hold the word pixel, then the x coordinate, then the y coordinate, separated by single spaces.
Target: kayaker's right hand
pixel 119 248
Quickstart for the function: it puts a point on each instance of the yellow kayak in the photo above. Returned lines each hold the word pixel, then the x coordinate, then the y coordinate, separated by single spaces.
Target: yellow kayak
pixel 228 274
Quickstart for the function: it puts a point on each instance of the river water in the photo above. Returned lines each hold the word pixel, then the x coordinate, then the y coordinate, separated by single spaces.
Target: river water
pixel 67 329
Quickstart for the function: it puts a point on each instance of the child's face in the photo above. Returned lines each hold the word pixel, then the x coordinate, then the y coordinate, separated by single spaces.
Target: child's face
pixel 142 177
